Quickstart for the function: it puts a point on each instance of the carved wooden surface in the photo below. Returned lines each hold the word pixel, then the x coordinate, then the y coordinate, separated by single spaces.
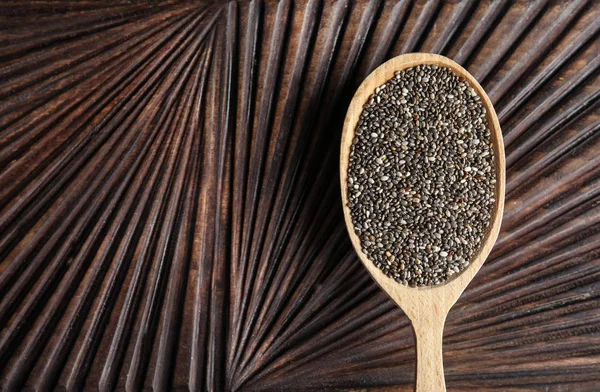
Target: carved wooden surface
pixel 170 215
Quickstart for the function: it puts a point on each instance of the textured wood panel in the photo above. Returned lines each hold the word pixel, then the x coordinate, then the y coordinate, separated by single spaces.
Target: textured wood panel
pixel 170 215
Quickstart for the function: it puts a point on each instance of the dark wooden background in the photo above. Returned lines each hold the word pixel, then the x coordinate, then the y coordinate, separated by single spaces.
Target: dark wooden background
pixel 170 212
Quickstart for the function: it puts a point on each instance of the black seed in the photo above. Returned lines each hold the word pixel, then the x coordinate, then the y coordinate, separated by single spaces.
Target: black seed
pixel 420 179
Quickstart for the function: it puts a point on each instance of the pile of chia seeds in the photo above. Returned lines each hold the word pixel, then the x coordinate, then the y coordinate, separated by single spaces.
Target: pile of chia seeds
pixel 421 178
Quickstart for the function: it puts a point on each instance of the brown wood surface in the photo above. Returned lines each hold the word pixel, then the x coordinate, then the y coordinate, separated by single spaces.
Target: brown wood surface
pixel 170 213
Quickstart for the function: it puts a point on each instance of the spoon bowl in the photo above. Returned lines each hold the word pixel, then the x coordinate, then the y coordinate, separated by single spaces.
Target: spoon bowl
pixel 426 307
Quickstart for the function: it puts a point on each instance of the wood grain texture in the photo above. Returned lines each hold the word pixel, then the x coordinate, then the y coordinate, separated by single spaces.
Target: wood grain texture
pixel 426 307
pixel 170 215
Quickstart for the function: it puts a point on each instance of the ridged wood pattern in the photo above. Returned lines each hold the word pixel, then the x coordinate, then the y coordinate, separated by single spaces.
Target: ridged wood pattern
pixel 170 213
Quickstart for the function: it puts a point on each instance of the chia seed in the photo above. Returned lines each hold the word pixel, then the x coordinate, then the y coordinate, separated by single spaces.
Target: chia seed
pixel 421 178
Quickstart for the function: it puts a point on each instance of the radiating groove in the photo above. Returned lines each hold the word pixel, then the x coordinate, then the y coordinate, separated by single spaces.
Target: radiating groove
pixel 517 72
pixel 216 379
pixel 297 199
pixel 573 274
pixel 316 249
pixel 393 341
pixel 311 275
pixel 18 263
pixel 355 52
pixel 300 296
pixel 83 358
pixel 289 176
pixel 587 72
pixel 292 281
pixel 576 178
pixel 87 24
pixel 145 335
pixel 547 160
pixel 152 239
pixel 539 271
pixel 51 369
pixel 73 278
pixel 495 10
pixel 246 90
pixel 19 373
pixel 359 302
pixel 33 60
pixel 502 340
pixel 59 9
pixel 290 257
pixel 565 236
pixel 353 58
pixel 130 44
pixel 68 164
pixel 522 25
pixel 556 124
pixel 561 59
pixel 75 219
pixel 169 196
pixel 584 102
pixel 580 202
pixel 176 290
pixel 329 316
pixel 17 32
pixel 259 145
pixel 149 322
pixel 198 368
pixel 56 78
pixel 30 126
pixel 56 187
pixel 451 27
pixel 26 128
pixel 394 24
pixel 523 317
pixel 367 317
pixel 273 169
pixel 87 350
pixel 365 25
pixel 422 26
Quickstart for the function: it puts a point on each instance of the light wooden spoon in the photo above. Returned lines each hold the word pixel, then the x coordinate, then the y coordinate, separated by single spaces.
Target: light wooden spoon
pixel 426 307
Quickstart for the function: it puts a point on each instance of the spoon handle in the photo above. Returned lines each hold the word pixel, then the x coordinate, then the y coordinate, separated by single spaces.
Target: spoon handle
pixel 430 367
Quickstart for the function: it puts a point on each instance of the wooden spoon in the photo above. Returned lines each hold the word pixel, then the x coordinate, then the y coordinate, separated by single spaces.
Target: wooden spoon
pixel 426 307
